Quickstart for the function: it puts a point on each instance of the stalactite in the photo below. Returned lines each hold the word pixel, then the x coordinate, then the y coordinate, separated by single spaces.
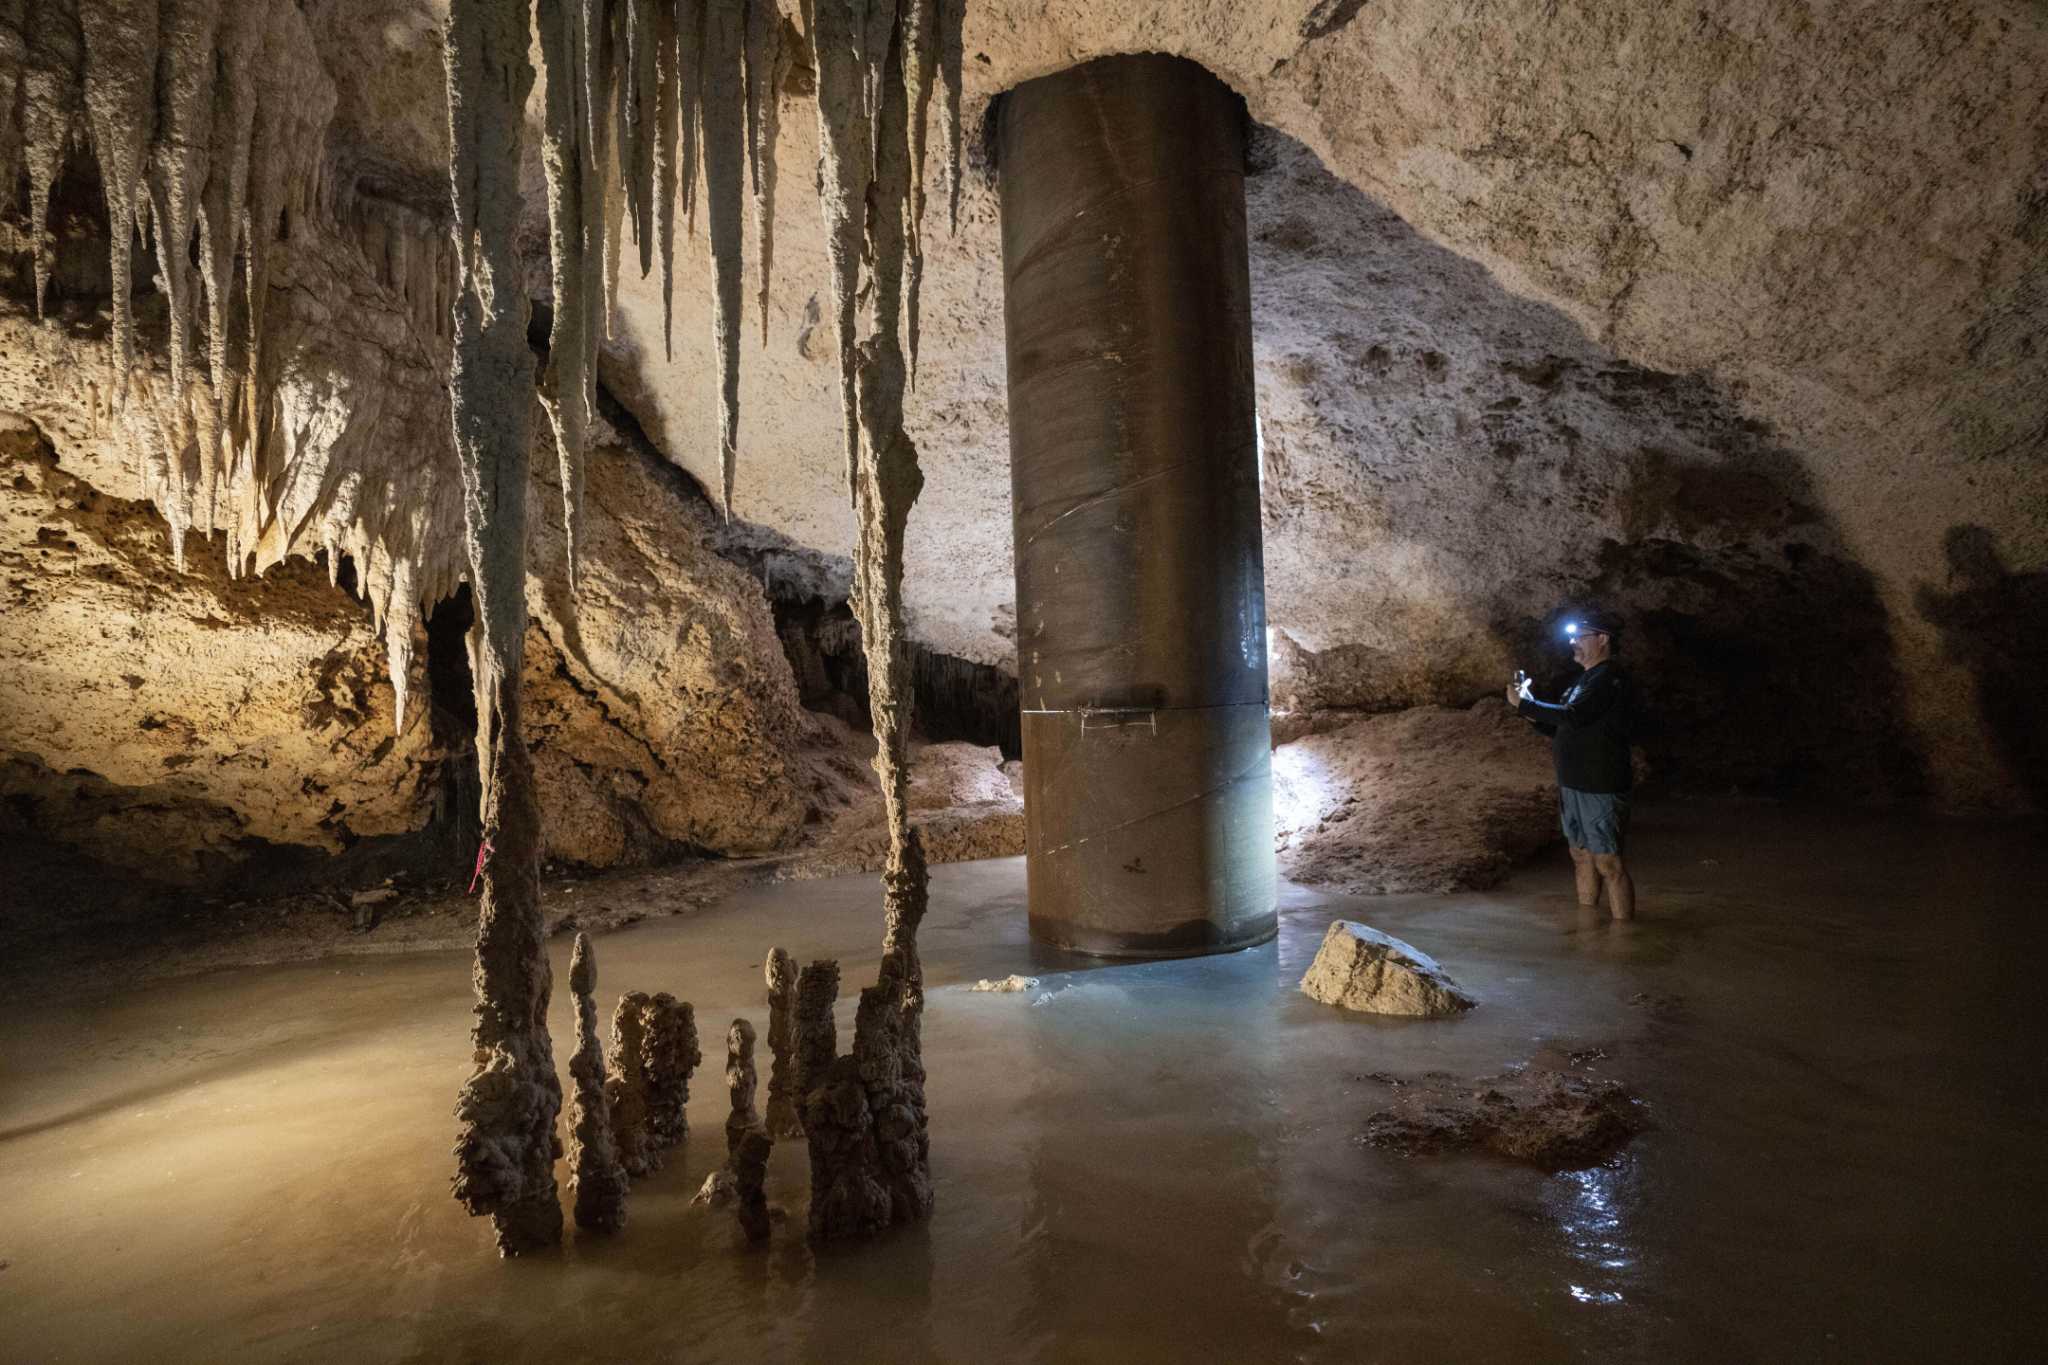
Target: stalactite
pixel 13 66
pixel 952 18
pixel 221 213
pixel 666 99
pixel 617 167
pixel 766 64
pixel 639 104
pixel 724 121
pixel 689 98
pixel 783 1091
pixel 565 387
pixel 176 171
pixel 920 65
pixel 508 1145
pixel 52 95
pixel 120 105
pixel 845 169
pixel 595 1175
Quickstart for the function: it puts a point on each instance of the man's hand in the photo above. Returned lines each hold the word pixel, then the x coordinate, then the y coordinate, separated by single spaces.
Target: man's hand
pixel 1518 692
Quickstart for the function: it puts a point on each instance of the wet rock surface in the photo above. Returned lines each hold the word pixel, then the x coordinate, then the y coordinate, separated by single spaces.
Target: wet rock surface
pixel 1552 1113
pixel 654 1049
pixel 1360 968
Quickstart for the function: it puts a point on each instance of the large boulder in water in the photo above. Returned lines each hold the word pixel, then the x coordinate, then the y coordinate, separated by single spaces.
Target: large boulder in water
pixel 1361 968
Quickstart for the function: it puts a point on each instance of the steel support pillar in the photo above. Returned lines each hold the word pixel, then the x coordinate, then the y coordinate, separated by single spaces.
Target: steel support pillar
pixel 1141 621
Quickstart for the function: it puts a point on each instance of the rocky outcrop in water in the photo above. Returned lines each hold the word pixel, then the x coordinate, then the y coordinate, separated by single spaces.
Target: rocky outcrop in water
pixel 741 1081
pixel 1360 968
pixel 785 1089
pixel 1554 1117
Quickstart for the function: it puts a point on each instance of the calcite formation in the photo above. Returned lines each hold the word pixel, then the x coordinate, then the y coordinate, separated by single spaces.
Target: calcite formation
pixel 741 1083
pixel 784 1087
pixel 1360 968
pixel 750 1178
pixel 654 1049
pixel 508 1145
pixel 595 1175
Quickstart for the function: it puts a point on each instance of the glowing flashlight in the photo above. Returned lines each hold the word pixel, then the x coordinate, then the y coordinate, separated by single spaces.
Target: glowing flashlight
pixel 1571 628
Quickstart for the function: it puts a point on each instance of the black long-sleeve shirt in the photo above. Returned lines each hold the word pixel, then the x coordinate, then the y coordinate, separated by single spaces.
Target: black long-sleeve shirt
pixel 1589 728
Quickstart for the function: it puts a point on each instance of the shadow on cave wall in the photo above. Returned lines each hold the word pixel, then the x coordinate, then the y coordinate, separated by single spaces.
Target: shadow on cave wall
pixel 1995 623
pixel 1493 434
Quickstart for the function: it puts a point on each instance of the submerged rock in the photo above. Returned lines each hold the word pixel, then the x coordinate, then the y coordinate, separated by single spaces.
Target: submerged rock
pixel 1361 968
pixel 1544 1117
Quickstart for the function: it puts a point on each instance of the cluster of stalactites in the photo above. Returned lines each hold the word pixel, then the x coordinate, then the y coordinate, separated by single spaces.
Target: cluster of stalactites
pixel 645 97
pixel 207 120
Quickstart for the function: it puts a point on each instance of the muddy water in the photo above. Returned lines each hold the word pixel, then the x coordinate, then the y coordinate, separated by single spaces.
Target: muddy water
pixel 1834 1024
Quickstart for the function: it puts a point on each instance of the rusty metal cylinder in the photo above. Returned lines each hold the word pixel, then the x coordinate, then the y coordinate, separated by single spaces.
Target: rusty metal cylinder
pixel 1141 620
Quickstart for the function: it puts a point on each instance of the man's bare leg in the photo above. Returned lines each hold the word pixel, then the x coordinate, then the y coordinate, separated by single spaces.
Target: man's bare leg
pixel 1621 888
pixel 1586 875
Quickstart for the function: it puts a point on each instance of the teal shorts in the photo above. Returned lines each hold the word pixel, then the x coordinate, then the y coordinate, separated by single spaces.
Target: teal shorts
pixel 1594 821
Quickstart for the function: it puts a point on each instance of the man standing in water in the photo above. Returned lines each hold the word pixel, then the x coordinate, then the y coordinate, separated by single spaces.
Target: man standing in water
pixel 1589 728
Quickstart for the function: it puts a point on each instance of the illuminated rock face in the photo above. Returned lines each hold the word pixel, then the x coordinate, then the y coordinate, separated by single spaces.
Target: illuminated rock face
pixel 1360 968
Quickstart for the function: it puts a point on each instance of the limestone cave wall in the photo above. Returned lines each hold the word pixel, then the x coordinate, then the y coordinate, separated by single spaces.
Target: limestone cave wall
pixel 1734 319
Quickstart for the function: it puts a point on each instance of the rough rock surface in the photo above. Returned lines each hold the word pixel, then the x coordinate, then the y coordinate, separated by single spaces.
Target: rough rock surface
pixel 158 720
pixel 741 1082
pixel 1429 799
pixel 966 802
pixel 1553 1116
pixel 1360 968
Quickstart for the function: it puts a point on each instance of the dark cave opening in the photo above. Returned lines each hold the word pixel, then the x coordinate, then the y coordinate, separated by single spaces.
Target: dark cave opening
pixel 957 699
pixel 451 691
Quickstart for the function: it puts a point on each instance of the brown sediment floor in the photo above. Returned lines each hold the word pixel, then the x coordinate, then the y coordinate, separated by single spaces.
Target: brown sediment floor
pixel 1833 1025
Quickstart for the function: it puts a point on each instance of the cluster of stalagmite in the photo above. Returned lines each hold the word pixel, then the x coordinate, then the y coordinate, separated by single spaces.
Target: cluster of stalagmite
pixel 654 1050
pixel 595 1175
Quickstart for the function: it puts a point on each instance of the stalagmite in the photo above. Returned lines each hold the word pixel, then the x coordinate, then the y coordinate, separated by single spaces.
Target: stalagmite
pixel 120 105
pixel 596 1176
pixel 654 1050
pixel 725 151
pixel 750 1179
pixel 508 1146
pixel 741 1083
pixel 816 1036
pixel 784 1093
pixel 765 67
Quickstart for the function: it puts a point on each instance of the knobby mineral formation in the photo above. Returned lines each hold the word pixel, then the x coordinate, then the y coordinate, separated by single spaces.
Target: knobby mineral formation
pixel 750 1178
pixel 508 1146
pixel 654 1050
pixel 595 1174
pixel 741 1083
pixel 784 1093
